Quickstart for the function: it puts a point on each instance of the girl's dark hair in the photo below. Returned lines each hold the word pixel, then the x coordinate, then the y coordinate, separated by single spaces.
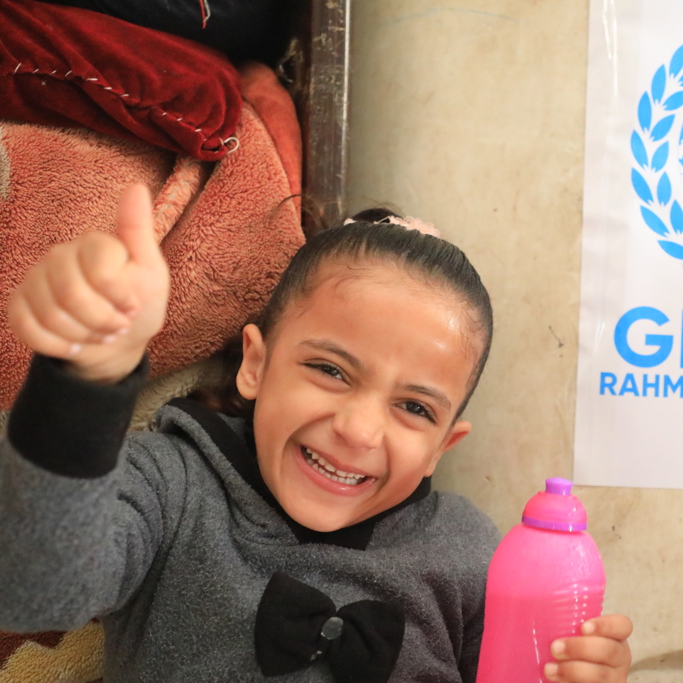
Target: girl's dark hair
pixel 426 257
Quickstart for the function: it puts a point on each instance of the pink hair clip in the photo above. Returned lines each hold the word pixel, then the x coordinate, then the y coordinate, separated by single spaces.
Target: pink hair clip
pixel 409 223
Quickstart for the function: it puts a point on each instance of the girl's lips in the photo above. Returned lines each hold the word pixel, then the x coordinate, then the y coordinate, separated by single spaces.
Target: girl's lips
pixel 328 459
pixel 324 482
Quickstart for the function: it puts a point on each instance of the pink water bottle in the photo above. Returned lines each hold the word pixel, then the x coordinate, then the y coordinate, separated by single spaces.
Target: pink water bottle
pixel 546 578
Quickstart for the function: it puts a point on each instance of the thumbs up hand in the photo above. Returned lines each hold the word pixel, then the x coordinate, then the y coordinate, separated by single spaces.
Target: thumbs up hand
pixel 98 300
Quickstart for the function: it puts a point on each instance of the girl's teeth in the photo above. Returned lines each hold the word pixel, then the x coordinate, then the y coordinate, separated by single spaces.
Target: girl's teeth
pixel 321 465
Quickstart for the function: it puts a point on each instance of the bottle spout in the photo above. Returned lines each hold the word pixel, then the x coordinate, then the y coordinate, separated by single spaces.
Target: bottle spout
pixel 558 486
pixel 556 509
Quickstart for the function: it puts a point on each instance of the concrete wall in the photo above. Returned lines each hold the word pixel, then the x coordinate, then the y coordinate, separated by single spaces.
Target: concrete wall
pixel 471 115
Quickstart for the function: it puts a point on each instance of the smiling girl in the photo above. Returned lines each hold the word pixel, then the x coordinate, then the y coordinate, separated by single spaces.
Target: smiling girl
pixel 298 538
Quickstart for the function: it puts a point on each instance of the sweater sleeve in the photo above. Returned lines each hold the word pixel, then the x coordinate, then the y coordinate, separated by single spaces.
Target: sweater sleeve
pixel 70 426
pixel 79 525
pixel 483 539
pixel 474 625
pixel 469 659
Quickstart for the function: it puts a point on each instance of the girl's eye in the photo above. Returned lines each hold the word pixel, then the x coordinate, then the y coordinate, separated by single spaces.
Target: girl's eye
pixel 327 369
pixel 418 409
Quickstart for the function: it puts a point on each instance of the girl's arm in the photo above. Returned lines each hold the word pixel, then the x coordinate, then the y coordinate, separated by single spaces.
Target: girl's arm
pixel 600 655
pixel 78 528
pixel 79 524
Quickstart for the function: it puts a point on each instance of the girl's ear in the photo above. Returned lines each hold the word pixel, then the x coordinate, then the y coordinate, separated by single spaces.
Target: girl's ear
pixel 249 375
pixel 457 432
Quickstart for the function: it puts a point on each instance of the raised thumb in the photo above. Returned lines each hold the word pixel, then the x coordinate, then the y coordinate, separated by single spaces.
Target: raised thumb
pixel 135 225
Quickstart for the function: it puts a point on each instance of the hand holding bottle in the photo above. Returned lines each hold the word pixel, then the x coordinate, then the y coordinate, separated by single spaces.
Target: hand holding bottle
pixel 98 300
pixel 600 654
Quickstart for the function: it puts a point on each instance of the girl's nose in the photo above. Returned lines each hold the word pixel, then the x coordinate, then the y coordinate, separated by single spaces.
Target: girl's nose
pixel 360 424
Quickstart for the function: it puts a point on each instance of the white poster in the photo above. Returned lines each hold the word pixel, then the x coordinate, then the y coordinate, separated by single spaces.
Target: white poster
pixel 629 417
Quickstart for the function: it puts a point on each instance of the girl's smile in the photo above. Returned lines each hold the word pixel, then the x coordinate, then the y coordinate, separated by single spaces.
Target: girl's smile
pixel 356 392
pixel 332 478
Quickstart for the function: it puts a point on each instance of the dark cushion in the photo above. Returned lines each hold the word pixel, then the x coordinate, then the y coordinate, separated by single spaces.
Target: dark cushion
pixel 243 29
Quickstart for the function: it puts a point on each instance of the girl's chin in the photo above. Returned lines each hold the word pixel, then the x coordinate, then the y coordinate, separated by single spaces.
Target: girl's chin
pixel 319 520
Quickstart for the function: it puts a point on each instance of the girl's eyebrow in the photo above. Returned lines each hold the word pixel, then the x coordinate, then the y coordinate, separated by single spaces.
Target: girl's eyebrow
pixel 437 395
pixel 331 347
pixel 326 345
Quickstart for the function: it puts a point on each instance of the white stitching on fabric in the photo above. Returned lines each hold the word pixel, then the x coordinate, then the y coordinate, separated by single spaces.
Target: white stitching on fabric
pixel 232 143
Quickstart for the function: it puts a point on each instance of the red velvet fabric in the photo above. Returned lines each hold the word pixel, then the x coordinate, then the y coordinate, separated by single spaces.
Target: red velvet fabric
pixel 65 66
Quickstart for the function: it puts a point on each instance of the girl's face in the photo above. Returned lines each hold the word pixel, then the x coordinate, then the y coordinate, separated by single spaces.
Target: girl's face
pixel 356 392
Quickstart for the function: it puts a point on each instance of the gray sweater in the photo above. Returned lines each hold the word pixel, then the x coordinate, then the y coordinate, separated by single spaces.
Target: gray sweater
pixel 171 544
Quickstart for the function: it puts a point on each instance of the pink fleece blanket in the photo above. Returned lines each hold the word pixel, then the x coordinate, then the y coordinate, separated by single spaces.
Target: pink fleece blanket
pixel 226 228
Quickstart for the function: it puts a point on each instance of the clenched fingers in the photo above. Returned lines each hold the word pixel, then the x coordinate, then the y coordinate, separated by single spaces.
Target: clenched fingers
pixel 78 321
pixel 601 654
pixel 26 327
pixel 584 672
pixel 615 626
pixel 80 293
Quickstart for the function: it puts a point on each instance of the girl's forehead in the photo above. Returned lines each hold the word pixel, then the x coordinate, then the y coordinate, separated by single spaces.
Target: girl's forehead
pixel 351 278
pixel 390 290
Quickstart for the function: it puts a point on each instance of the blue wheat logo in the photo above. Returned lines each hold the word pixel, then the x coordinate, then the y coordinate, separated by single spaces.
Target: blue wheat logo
pixel 657 160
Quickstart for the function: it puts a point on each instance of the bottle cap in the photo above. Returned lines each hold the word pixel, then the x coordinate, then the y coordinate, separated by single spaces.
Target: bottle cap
pixel 556 508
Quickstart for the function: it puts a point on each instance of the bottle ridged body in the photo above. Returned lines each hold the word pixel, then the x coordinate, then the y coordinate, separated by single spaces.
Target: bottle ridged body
pixel 542 585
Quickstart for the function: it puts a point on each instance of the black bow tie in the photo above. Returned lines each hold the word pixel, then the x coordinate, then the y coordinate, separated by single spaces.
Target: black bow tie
pixel 297 625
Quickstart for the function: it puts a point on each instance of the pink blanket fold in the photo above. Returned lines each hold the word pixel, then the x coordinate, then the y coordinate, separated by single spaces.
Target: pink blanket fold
pixel 226 228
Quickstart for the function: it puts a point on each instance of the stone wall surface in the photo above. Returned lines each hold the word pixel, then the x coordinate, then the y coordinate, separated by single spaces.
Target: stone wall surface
pixel 470 115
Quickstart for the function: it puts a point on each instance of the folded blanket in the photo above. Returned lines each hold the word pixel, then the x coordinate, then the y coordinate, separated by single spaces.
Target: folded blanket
pixel 64 66
pixel 226 228
pixel 74 657
pixel 227 250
